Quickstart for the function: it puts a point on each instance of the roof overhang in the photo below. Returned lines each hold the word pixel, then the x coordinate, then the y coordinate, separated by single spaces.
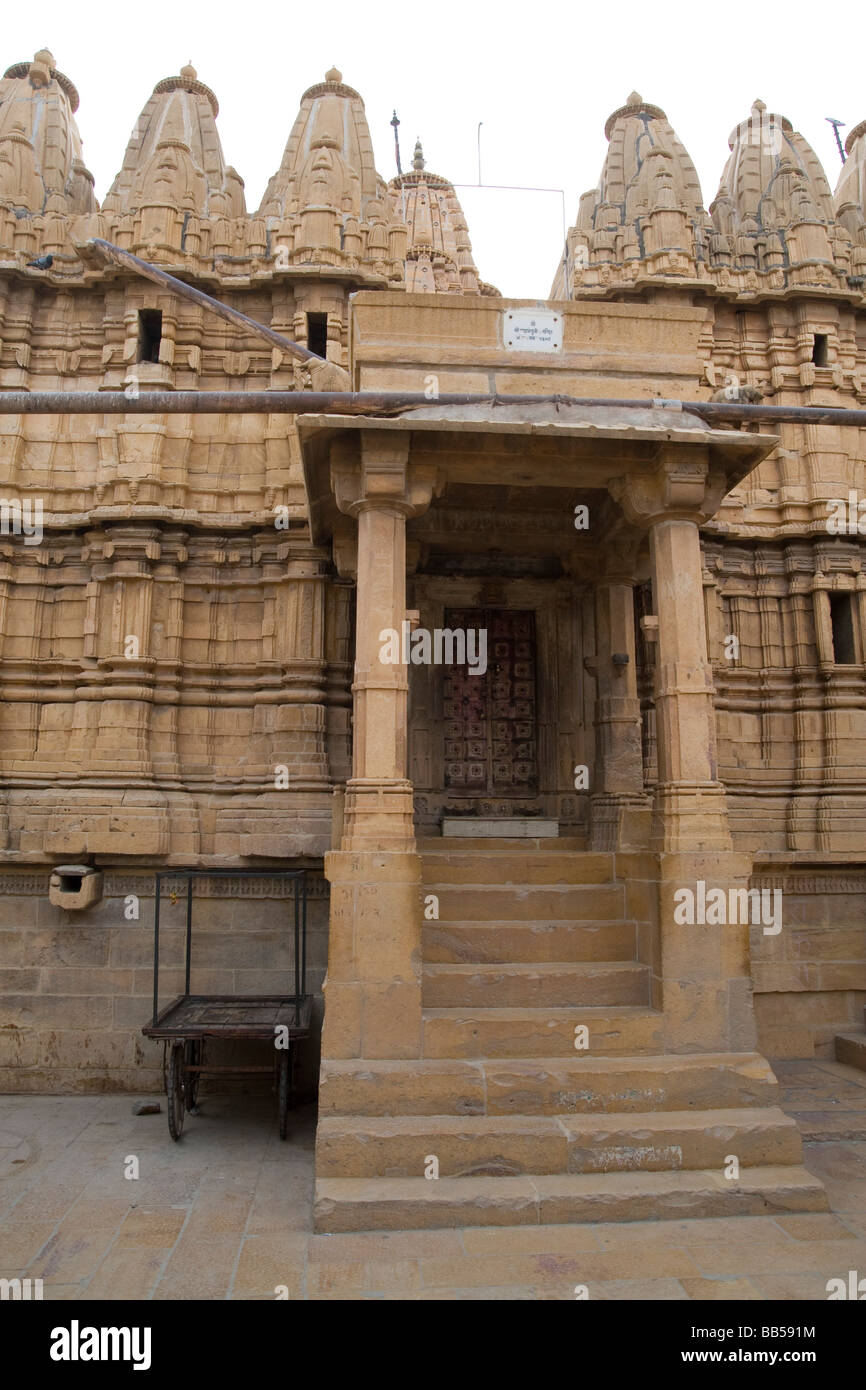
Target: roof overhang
pixel 545 445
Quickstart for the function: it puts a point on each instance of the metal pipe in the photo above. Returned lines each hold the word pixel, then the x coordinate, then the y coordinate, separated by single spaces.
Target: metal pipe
pixel 116 256
pixel 373 403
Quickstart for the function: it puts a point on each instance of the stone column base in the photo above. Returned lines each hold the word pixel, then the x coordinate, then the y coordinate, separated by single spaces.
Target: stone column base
pixel 619 822
pixel 378 815
pixel 373 986
pixel 690 819
pixel 706 986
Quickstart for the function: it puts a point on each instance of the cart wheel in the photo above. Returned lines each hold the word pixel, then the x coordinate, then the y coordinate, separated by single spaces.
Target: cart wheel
pixel 284 1093
pixel 192 1058
pixel 174 1092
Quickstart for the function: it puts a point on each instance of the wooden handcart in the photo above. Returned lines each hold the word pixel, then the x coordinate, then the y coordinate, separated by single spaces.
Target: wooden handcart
pixel 190 1021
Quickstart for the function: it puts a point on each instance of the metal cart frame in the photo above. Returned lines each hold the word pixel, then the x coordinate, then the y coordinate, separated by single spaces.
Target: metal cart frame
pixel 190 1019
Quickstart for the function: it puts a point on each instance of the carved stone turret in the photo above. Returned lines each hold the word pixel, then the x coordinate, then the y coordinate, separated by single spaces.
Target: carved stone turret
pixel 644 217
pixel 42 173
pixel 438 253
pixel 775 204
pixel 41 169
pixel 850 198
pixel 173 174
pixel 326 204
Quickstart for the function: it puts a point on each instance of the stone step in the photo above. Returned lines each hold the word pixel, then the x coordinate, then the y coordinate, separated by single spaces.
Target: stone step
pixel 513 1145
pixel 851 1048
pixel 362 1204
pixel 492 943
pixel 516 867
pixel 549 1032
pixel 540 986
pixel 528 902
pixel 571 1085
pixel 582 1084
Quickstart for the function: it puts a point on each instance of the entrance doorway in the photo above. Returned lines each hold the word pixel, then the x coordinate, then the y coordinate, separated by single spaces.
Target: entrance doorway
pixel 490 731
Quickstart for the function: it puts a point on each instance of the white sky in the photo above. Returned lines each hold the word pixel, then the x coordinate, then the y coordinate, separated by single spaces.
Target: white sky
pixel 542 77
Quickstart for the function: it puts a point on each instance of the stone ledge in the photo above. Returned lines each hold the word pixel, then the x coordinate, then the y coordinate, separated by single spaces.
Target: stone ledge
pixel 504 828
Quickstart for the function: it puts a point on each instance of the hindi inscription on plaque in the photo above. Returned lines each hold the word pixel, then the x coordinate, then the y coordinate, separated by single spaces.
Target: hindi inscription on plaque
pixel 532 330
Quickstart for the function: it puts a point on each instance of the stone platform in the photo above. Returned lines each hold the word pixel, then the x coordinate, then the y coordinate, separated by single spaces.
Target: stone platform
pixel 227 1214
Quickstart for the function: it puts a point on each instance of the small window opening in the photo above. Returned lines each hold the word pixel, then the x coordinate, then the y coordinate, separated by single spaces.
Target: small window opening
pixel 317 334
pixel 70 883
pixel 842 622
pixel 819 349
pixel 149 334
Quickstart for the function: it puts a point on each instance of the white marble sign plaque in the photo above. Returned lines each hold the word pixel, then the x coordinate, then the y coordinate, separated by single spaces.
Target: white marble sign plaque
pixel 532 330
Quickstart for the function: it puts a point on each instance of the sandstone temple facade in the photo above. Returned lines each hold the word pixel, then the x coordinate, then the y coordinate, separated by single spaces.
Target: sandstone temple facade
pixel 674 693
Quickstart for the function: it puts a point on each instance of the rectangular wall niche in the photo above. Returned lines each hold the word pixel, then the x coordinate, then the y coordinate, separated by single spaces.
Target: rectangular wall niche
pixel 842 623
pixel 149 334
pixel 317 334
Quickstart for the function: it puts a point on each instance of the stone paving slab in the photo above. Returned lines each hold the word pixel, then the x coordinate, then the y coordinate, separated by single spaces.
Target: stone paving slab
pixel 227 1214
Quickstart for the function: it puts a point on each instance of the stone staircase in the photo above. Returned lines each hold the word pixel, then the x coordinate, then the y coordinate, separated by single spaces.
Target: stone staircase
pixel 532 940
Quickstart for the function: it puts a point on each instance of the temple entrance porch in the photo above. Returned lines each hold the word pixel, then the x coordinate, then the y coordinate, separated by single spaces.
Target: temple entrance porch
pixel 491 986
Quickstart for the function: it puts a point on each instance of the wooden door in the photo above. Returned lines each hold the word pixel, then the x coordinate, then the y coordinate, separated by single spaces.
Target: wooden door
pixel 490 728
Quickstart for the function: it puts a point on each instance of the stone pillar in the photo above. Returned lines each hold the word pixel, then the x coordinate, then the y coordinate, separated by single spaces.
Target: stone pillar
pixel 373 985
pixel 618 798
pixel 685 717
pixel 379 796
pixel 703 976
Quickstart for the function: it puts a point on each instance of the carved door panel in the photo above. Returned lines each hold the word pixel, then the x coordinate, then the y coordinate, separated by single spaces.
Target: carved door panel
pixel 490 729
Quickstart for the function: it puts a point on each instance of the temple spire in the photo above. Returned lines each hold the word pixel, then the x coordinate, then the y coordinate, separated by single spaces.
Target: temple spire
pixel 41 169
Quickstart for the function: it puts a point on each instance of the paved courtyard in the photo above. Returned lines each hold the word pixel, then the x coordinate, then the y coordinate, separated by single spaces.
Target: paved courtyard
pixel 226 1214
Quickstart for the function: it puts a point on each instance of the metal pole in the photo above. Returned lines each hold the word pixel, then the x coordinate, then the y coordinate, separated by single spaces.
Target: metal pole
pixel 304 931
pixel 836 124
pixel 114 255
pixel 188 929
pixel 379 403
pixel 395 121
pixel 156 949
pixel 297 941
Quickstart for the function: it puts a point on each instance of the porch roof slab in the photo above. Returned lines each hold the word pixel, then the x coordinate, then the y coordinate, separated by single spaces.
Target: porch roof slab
pixel 529 445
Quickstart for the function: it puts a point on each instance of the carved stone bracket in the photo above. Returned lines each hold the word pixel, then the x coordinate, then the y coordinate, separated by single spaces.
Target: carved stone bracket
pixel 374 469
pixel 681 487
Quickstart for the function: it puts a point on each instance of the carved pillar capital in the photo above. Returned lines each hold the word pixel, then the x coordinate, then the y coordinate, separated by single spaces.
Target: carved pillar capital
pixel 681 486
pixel 372 469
